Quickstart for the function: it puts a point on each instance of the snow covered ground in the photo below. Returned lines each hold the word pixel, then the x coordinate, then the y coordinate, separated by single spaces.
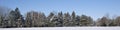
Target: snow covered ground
pixel 64 28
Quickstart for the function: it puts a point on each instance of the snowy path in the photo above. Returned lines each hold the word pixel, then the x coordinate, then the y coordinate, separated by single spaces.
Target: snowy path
pixel 64 28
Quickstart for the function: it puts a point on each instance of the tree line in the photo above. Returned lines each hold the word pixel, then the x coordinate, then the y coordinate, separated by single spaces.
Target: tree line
pixel 38 19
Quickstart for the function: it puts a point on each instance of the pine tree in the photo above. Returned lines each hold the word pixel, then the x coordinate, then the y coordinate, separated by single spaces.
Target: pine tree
pixel 60 19
pixel 1 21
pixel 85 20
pixel 49 18
pixel 67 19
pixel 77 20
pixel 12 18
pixel 73 15
pixel 19 19
pixel 73 18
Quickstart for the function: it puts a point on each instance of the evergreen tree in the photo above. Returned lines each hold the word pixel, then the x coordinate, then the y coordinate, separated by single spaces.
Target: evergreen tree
pixel 67 18
pixel 60 19
pixel 77 20
pixel 1 21
pixel 85 20
pixel 19 19
pixel 73 18
pixel 13 18
pixel 49 18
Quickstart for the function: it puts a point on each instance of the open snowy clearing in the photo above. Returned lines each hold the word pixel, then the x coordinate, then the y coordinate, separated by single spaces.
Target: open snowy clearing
pixel 64 28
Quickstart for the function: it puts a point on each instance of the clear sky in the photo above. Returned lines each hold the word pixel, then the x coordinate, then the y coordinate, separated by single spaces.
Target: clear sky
pixel 94 8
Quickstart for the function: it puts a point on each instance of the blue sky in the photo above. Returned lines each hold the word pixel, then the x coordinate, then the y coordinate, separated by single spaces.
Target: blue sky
pixel 94 8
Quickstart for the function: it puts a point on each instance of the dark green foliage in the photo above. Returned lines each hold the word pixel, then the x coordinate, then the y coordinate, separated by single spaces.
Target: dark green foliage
pixel 14 19
pixel 38 19
pixel 85 21
pixel 67 19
